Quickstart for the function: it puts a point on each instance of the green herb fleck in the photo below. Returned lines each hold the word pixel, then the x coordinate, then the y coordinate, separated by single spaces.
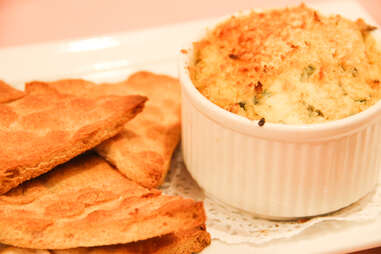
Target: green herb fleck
pixel 342 88
pixel 266 93
pixel 363 100
pixel 255 100
pixel 307 72
pixel 314 112
pixel 355 72
pixel 319 113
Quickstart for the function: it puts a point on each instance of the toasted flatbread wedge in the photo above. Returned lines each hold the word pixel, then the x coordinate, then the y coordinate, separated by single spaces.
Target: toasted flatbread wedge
pixel 46 128
pixel 143 150
pixel 86 202
pixel 5 249
pixel 8 93
pixel 183 242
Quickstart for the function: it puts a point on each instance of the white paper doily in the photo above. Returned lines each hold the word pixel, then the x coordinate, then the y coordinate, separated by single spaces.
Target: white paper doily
pixel 231 225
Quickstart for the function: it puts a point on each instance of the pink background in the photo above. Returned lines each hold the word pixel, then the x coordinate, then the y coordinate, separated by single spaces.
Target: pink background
pixel 36 21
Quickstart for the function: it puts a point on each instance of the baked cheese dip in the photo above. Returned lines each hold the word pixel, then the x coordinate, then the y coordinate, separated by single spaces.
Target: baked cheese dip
pixel 292 66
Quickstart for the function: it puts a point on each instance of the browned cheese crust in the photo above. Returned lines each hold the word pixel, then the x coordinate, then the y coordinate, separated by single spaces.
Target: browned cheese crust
pixel 46 128
pixel 86 202
pixel 292 66
pixel 143 150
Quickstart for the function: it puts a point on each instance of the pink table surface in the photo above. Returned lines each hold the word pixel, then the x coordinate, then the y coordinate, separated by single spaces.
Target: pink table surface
pixel 36 21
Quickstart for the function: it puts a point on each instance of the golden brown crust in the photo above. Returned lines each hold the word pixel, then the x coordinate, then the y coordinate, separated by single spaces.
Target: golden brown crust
pixel 46 128
pixel 182 242
pixel 85 202
pixel 8 93
pixel 290 65
pixel 143 149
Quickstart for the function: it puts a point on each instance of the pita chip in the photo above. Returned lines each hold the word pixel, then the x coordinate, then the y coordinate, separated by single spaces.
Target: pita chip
pixel 142 151
pixel 46 128
pixel 86 203
pixel 8 93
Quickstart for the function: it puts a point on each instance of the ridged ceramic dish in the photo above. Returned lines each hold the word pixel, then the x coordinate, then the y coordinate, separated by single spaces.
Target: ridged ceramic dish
pixel 278 171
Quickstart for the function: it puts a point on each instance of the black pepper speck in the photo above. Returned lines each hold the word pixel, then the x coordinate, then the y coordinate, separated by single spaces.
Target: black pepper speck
pixel 261 122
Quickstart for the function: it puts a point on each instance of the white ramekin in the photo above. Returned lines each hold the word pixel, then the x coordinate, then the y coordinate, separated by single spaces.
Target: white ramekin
pixel 278 171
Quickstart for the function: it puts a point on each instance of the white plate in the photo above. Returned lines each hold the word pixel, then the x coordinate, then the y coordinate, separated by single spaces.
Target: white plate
pixel 114 57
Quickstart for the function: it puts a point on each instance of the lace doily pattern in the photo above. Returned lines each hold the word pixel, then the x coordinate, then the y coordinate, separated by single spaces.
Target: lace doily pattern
pixel 234 226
